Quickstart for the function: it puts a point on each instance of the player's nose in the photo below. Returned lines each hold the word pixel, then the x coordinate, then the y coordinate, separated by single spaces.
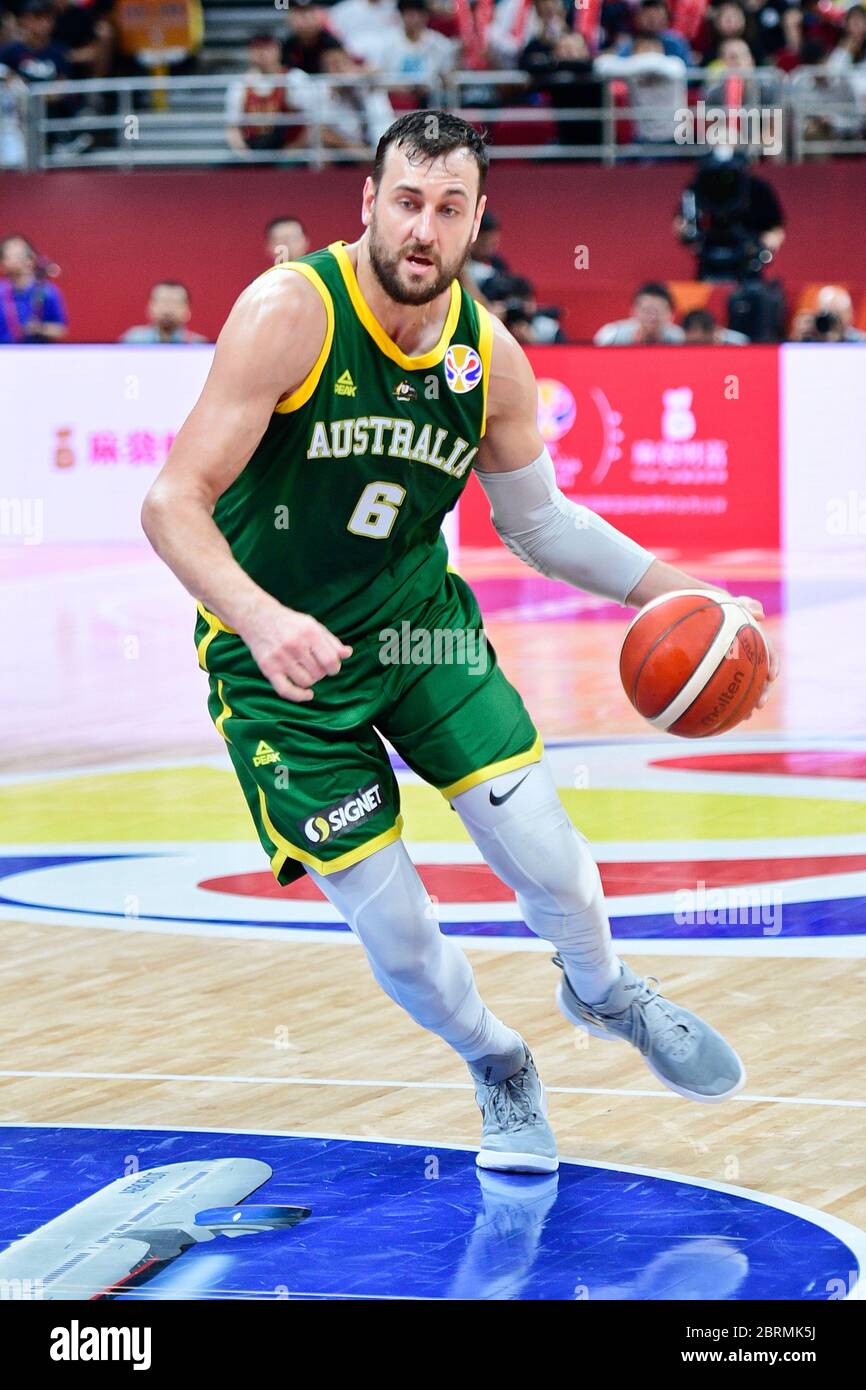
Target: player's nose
pixel 423 226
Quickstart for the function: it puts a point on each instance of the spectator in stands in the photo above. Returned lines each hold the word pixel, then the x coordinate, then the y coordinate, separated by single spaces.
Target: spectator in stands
pixel 519 324
pixel 700 329
pixel 364 25
pixel 286 239
pixel 653 18
pixel 266 91
pixel 544 322
pixel 657 88
pixel 86 35
pixel 727 21
pixel 485 259
pixel 652 320
pixel 31 308
pixel 559 64
pixel 615 23
pixel 357 114
pixel 13 151
pixel 309 44
pixel 821 24
pixel 831 321
pixel 795 49
pixel 168 312
pixel 36 55
pixel 415 51
pixel 514 24
pixel 738 87
pixel 849 55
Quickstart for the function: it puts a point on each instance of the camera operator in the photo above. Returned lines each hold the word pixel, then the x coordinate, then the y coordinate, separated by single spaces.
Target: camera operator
pixel 832 320
pixel 735 223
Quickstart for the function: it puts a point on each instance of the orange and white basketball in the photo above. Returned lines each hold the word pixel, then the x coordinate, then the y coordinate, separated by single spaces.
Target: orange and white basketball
pixel 694 664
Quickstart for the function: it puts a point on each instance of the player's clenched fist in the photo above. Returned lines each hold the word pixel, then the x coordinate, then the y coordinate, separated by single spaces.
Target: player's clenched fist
pixel 292 649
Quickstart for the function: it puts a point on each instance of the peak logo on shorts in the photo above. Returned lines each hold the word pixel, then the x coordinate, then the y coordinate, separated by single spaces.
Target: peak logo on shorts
pixel 342 815
pixel 463 369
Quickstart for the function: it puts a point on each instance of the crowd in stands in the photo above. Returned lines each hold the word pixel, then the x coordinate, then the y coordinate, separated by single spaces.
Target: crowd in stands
pixel 300 80
pixel 563 47
pixel 33 310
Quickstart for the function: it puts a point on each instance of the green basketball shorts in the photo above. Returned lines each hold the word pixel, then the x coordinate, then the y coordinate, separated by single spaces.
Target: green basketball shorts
pixel 317 777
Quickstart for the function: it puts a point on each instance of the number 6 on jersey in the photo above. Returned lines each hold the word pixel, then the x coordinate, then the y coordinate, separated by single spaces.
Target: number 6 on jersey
pixel 376 510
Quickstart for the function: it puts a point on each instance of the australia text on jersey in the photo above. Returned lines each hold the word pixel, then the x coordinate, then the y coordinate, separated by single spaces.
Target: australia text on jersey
pixel 340 438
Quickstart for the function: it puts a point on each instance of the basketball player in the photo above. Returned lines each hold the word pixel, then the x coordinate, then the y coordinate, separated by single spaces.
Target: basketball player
pixel 350 394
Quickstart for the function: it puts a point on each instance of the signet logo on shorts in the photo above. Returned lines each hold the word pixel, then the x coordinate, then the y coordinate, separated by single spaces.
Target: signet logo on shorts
pixel 265 754
pixel 339 817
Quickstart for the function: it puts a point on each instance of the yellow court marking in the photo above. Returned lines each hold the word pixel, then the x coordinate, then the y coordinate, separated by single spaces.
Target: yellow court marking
pixel 203 803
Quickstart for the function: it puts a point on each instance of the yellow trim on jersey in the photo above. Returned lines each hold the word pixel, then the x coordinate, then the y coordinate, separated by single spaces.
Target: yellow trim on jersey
pixel 302 394
pixel 375 329
pixel 531 755
pixel 215 625
pixel 286 850
pixel 221 718
pixel 485 352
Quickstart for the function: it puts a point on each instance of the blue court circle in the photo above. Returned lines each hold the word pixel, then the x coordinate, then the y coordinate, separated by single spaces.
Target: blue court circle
pixel 390 1220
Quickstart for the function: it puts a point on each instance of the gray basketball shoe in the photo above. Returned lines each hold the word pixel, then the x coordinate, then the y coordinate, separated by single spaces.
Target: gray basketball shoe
pixel 684 1052
pixel 515 1135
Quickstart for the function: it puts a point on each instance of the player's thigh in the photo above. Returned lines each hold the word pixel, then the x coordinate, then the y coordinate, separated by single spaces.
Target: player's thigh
pixel 318 796
pixel 455 717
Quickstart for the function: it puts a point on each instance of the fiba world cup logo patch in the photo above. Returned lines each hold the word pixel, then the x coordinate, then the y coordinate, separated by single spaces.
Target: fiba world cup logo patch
pixel 463 369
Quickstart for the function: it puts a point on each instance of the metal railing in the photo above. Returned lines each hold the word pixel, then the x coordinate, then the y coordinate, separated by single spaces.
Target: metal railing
pixel 182 120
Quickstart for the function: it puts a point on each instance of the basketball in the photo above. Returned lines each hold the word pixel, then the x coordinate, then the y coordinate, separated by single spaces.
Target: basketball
pixel 693 664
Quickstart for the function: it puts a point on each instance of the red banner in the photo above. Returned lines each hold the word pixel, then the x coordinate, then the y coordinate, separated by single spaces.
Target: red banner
pixel 678 447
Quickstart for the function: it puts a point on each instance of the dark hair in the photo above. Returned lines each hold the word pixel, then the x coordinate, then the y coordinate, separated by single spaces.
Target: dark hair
pixel 521 288
pixel 170 285
pixel 429 135
pixel 657 290
pixel 699 318
pixel 278 221
pixel 413 5
pixel 654 4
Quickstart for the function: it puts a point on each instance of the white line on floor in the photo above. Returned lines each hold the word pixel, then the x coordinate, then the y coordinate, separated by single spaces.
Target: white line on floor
pixel 377 1084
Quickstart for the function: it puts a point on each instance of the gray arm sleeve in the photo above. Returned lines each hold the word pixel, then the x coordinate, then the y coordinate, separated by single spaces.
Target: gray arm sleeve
pixel 560 538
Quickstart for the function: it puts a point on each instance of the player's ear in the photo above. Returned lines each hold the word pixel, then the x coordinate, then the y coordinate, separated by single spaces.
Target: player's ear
pixel 479 213
pixel 367 199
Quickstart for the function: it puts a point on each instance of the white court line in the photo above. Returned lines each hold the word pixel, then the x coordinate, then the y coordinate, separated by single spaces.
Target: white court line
pixel 374 1084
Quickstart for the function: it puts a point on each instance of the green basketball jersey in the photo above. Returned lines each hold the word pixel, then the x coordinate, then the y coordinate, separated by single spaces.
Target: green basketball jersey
pixel 338 512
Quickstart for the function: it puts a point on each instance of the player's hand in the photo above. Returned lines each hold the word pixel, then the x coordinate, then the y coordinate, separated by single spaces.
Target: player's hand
pixel 756 608
pixel 293 650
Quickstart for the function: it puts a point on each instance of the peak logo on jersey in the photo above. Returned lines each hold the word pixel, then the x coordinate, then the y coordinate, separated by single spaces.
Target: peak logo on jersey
pixel 265 754
pixel 342 815
pixel 463 369
pixel 344 385
pixel 404 391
